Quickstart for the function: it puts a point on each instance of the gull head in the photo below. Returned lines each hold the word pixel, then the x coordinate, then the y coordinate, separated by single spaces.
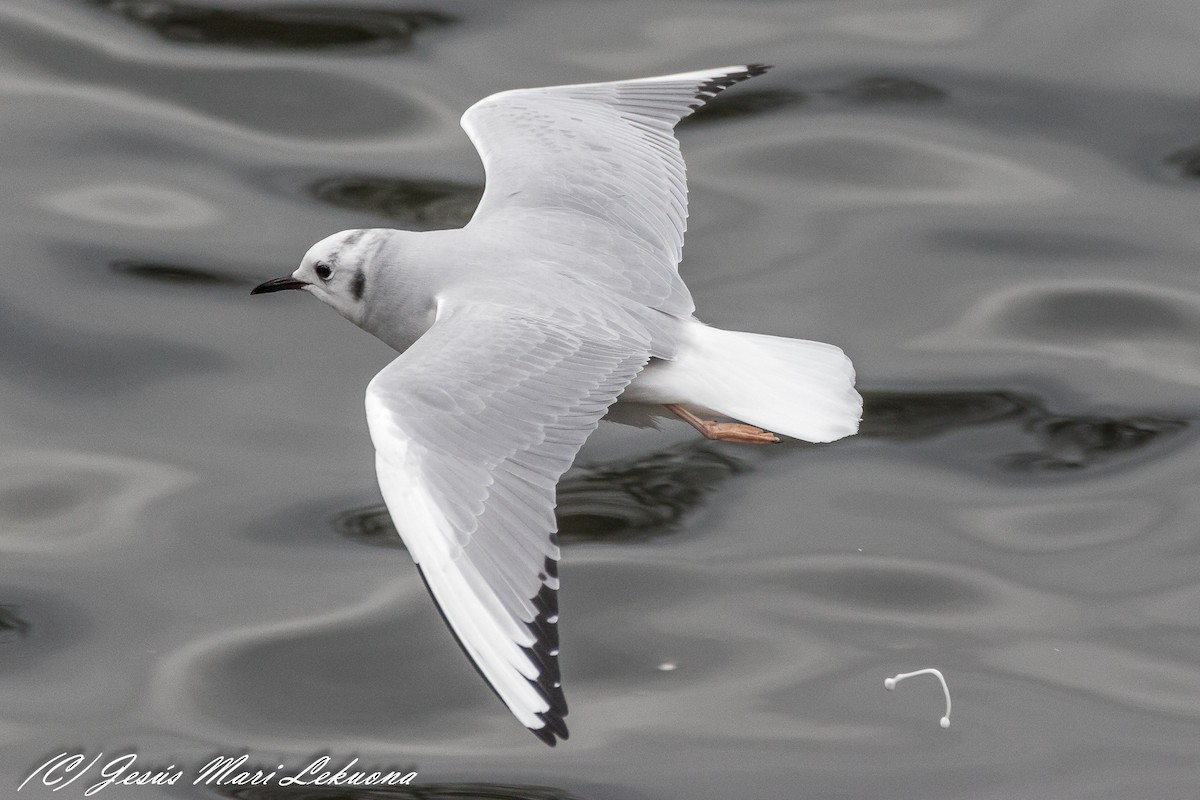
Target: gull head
pixel 335 270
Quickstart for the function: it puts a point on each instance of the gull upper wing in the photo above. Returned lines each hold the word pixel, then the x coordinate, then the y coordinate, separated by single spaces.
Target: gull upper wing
pixel 599 161
pixel 473 426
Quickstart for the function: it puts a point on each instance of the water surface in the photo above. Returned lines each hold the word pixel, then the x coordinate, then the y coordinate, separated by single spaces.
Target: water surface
pixel 991 207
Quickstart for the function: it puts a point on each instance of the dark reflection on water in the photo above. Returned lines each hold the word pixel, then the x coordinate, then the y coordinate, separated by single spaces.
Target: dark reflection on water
pixel 1033 243
pixel 11 625
pixel 1063 442
pixel 433 791
pixel 176 274
pixel 921 415
pixel 148 266
pixel 1098 313
pixel 415 204
pixel 638 498
pixel 744 103
pixel 892 587
pixel 1186 161
pixel 887 89
pixel 266 27
pixel 370 525
pixel 1075 443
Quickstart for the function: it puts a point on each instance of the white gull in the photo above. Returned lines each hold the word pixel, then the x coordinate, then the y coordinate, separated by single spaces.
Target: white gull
pixel 519 331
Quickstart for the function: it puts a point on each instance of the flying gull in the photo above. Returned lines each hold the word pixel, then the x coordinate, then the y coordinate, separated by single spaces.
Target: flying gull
pixel 518 332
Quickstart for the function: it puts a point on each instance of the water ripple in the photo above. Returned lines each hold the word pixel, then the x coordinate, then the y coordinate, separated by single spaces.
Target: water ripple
pixel 1076 443
pixel 1186 162
pixel 1108 671
pixel 64 502
pixel 11 623
pixel 922 415
pixel 176 274
pixel 637 498
pixel 745 103
pixel 1036 537
pixel 900 164
pixel 876 89
pixel 368 525
pixel 1091 312
pixel 47 357
pixel 149 266
pixel 1062 442
pixel 1054 525
pixel 415 203
pixel 326 676
pixel 271 27
pixel 1033 243
pixel 44 631
pixel 133 205
pixel 1134 326
pixel 892 586
pixel 272 99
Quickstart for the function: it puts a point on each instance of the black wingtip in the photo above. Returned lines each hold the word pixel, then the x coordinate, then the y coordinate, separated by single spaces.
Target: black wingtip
pixel 547 735
pixel 544 653
pixel 555 726
pixel 714 86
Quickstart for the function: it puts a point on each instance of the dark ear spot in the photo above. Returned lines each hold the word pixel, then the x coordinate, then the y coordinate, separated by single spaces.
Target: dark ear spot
pixel 359 285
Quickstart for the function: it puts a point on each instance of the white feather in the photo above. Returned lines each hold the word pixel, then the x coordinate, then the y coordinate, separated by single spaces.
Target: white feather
pixel 795 387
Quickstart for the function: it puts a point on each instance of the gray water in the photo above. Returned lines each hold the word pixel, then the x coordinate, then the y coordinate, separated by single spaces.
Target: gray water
pixel 990 206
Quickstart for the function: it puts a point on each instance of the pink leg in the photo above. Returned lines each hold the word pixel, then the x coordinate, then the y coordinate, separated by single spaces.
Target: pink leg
pixel 723 431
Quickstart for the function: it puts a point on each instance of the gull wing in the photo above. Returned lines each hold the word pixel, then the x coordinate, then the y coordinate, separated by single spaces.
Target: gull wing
pixel 599 161
pixel 473 426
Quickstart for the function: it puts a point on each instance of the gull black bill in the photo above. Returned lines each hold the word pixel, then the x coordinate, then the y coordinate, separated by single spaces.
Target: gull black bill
pixel 278 285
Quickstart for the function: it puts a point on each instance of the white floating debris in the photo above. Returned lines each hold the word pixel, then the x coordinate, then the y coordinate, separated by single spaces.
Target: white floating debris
pixel 667 666
pixel 890 683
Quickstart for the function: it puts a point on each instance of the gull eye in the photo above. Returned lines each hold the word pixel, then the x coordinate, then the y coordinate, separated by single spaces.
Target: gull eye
pixel 323 271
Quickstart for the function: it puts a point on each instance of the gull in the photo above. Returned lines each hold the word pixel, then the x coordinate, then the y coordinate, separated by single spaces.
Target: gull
pixel 518 332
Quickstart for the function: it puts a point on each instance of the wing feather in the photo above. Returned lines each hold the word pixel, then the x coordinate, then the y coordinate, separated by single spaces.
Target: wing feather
pixel 469 450
pixel 602 162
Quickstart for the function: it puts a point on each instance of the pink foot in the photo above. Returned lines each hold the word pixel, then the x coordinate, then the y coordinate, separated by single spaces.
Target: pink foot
pixel 724 431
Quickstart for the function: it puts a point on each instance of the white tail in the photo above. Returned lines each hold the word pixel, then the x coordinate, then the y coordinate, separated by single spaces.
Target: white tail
pixel 794 387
